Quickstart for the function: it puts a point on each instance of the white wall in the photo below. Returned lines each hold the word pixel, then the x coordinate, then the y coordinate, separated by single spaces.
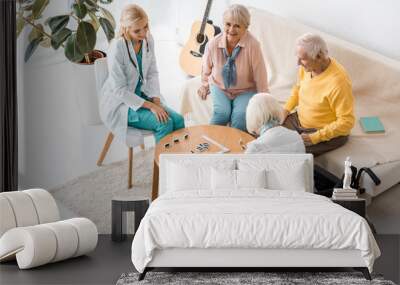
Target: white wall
pixel 373 24
pixel 55 146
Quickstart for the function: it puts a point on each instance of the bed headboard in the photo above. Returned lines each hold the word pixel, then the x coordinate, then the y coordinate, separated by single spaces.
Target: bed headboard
pixel 213 159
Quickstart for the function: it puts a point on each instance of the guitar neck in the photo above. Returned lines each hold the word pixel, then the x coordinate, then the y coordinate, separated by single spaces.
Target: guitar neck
pixel 205 17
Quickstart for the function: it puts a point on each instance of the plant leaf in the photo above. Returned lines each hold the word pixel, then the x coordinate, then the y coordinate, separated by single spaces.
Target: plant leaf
pixel 85 37
pixel 20 25
pixel 25 2
pixel 79 10
pixel 58 23
pixel 71 50
pixel 92 3
pixel 27 7
pixel 106 1
pixel 46 42
pixel 38 8
pixel 32 46
pixel 36 34
pixel 60 37
pixel 107 28
pixel 95 21
pixel 108 16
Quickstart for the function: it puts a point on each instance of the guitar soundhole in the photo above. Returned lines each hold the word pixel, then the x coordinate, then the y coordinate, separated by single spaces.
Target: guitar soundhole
pixel 200 38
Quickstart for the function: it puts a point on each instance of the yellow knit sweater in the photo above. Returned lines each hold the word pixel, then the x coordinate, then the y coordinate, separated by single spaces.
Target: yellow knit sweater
pixel 324 102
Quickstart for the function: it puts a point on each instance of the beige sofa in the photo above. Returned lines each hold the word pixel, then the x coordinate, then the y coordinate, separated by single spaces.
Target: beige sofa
pixel 376 87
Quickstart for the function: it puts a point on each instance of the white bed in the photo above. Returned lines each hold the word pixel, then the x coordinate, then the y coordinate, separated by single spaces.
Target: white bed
pixel 201 219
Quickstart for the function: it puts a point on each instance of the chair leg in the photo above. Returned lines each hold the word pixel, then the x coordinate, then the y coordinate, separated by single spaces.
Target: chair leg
pixel 106 146
pixel 130 167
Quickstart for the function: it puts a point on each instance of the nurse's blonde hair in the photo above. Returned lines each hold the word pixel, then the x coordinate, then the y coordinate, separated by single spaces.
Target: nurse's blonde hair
pixel 262 109
pixel 131 14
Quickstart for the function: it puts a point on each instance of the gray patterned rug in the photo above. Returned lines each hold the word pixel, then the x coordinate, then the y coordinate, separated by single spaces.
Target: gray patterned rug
pixel 90 195
pixel 243 278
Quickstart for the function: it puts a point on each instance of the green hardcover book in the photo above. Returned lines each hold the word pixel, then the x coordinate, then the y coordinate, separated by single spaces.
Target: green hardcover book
pixel 372 125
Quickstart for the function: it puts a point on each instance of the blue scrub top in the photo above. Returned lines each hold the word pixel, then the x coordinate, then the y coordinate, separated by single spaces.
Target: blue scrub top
pixel 132 115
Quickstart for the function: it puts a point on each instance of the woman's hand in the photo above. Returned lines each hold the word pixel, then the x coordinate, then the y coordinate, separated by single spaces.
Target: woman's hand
pixel 203 92
pixel 157 101
pixel 161 115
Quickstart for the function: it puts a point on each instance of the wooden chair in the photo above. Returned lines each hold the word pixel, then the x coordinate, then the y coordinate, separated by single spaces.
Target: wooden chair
pixel 134 137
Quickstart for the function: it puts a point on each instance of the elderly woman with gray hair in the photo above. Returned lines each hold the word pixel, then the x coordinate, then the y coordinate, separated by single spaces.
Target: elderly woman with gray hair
pixel 233 69
pixel 263 118
pixel 323 98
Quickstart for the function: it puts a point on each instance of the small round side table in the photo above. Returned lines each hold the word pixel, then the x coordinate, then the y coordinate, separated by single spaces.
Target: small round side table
pixel 122 204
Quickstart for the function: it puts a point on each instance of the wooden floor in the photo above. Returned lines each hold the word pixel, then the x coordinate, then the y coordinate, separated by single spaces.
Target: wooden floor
pixel 110 260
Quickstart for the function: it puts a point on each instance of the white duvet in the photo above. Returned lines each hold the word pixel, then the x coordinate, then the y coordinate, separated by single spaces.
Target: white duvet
pixel 250 219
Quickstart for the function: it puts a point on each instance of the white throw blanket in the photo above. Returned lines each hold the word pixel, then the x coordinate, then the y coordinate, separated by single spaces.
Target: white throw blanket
pixel 250 219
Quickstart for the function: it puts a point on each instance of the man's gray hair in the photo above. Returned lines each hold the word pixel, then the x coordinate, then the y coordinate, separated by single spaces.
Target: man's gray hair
pixel 313 45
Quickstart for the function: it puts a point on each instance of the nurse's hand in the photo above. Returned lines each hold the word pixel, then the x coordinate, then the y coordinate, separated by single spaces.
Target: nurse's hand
pixel 160 113
pixel 203 92
pixel 157 101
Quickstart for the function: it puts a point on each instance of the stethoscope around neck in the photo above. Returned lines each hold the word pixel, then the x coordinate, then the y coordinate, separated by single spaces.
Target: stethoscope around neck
pixel 131 59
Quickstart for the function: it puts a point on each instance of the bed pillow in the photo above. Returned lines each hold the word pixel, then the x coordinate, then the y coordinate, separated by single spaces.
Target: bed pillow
pixel 223 179
pixel 281 175
pixel 284 179
pixel 251 178
pixel 186 175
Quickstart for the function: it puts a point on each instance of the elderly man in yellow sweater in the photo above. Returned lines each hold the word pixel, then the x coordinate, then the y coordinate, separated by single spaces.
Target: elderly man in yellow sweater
pixel 323 97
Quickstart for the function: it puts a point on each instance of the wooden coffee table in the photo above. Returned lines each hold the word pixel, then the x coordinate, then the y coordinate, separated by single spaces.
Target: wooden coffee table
pixel 226 136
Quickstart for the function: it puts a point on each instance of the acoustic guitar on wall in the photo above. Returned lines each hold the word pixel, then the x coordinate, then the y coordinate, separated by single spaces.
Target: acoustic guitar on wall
pixel 200 35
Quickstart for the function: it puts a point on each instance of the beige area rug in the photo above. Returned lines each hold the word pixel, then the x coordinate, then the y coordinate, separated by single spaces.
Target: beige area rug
pixel 90 195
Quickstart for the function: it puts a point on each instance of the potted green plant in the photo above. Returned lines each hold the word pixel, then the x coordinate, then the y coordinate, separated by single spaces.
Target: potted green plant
pixel 75 32
pixel 55 32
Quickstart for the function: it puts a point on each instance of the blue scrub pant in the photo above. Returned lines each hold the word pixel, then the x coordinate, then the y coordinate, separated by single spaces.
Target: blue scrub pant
pixel 148 121
pixel 226 110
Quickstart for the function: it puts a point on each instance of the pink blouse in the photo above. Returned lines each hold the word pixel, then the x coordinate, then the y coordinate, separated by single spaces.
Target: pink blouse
pixel 250 66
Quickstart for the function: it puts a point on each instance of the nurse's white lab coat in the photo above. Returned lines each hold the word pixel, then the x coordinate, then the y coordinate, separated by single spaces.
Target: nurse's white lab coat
pixel 118 92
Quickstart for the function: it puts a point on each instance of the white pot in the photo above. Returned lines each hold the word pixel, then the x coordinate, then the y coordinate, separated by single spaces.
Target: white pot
pixel 85 92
